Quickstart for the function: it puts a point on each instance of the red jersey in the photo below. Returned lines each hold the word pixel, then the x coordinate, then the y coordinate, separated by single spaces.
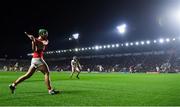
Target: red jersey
pixel 39 48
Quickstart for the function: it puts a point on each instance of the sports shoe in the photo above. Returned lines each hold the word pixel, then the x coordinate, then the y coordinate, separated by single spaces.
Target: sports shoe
pixel 12 88
pixel 53 92
pixel 77 77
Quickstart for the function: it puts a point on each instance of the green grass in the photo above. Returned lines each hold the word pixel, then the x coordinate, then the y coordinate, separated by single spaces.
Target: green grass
pixel 101 89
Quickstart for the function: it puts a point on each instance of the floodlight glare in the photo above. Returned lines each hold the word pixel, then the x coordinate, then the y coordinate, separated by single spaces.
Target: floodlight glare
pixel 76 36
pixel 148 42
pixel 175 15
pixel 131 44
pixel 76 49
pixel 108 46
pixel 117 45
pixel 167 40
pixel 70 39
pixel 142 42
pixel 161 40
pixel 122 28
pixel 155 41
pixel 137 43
pixel 127 44
pixel 97 47
pixel 100 47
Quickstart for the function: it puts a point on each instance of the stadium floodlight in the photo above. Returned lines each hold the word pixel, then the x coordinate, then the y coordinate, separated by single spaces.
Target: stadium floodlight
pixel 142 42
pixel 155 41
pixel 82 49
pixel 161 40
pixel 86 48
pixel 97 47
pixel 93 48
pixel 148 42
pixel 174 39
pixel 117 45
pixel 127 44
pixel 108 46
pixel 167 40
pixel 100 47
pixel 75 36
pixel 122 44
pixel 137 43
pixel 104 46
pixel 131 44
pixel 89 48
pixel 76 49
pixel 122 28
pixel 70 39
pixel 112 45
pixel 175 15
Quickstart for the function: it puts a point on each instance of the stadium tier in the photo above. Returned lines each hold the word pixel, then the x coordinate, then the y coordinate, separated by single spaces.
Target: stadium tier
pixel 145 56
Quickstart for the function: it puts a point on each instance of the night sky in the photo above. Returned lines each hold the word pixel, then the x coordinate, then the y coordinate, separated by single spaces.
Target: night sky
pixel 94 20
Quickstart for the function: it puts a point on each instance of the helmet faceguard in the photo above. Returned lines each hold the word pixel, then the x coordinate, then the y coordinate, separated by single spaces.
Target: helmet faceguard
pixel 43 33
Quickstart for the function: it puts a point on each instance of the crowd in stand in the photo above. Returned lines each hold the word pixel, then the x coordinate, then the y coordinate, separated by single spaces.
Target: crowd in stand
pixel 133 64
pixel 150 63
pixel 148 58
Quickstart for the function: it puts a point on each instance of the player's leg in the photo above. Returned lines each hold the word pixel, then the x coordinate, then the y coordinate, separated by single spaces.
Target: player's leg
pixel 22 78
pixel 72 72
pixel 78 72
pixel 45 70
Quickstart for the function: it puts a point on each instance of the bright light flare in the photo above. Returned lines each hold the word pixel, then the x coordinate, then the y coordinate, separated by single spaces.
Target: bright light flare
pixel 76 36
pixel 122 28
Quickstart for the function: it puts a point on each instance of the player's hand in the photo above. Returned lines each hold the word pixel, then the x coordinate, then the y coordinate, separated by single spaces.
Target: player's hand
pixel 30 36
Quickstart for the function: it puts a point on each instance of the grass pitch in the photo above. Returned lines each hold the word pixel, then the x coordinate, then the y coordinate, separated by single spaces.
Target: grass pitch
pixel 93 89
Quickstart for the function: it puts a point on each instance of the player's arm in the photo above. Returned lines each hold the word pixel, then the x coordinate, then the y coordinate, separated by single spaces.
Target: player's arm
pixel 30 36
pixel 72 63
pixel 33 46
pixel 45 42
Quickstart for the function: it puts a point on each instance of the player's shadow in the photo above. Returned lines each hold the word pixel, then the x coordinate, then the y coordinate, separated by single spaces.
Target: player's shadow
pixel 73 92
pixel 30 94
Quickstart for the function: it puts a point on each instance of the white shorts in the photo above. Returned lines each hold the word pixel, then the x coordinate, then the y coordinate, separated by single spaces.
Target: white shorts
pixel 75 69
pixel 37 62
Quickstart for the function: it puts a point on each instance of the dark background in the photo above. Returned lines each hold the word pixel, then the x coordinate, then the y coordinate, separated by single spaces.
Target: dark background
pixel 94 20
